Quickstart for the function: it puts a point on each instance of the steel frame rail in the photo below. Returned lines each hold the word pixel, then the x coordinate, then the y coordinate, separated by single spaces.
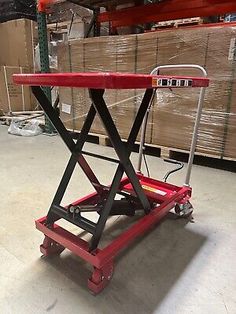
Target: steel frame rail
pixel 167 10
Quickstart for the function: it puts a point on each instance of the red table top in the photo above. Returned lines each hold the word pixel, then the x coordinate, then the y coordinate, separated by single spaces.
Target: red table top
pixel 103 80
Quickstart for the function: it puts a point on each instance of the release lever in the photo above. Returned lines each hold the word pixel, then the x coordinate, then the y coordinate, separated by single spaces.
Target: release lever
pixel 172 161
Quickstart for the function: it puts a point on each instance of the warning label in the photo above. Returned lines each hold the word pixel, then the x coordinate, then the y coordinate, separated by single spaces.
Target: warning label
pixel 153 190
pixel 154 82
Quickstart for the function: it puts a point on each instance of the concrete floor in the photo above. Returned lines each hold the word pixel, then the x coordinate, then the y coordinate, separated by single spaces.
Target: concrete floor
pixel 179 267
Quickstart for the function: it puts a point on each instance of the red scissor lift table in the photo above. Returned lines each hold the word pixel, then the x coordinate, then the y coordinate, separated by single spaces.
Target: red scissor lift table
pixel 137 192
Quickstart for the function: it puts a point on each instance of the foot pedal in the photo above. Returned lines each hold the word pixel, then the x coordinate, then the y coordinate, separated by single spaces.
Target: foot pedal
pixel 125 206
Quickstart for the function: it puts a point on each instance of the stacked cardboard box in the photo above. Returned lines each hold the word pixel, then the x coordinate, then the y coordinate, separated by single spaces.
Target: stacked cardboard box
pixel 14 97
pixel 175 111
pixel 172 118
pixel 93 55
pixel 16 56
pixel 17 43
pixel 110 54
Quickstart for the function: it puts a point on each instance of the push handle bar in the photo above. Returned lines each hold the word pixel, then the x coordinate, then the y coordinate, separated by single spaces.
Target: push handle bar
pixel 197 119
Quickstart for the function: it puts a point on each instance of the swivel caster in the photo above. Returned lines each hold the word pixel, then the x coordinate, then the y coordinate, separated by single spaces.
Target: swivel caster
pixel 184 210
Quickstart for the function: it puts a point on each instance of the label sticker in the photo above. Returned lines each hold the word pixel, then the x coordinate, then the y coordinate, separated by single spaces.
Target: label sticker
pixel 154 82
pixel 66 108
pixel 171 82
pixel 151 189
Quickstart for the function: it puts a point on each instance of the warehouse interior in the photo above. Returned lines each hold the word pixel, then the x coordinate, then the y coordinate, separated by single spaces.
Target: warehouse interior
pixel 138 95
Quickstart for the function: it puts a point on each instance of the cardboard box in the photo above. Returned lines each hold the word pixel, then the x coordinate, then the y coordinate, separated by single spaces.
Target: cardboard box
pixel 74 102
pixel 230 124
pixel 125 99
pixel 18 39
pixel 174 113
pixel 78 29
pixel 86 55
pixel 14 97
pixel 66 108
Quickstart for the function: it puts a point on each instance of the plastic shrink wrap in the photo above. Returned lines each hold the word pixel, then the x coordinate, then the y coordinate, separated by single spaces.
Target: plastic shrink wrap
pixel 172 117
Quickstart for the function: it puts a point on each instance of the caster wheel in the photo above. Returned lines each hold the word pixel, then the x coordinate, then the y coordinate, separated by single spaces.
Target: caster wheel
pixel 184 210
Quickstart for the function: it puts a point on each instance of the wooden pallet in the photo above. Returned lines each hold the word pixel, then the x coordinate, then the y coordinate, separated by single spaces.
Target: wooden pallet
pixel 99 139
pixel 102 139
pixel 155 150
pixel 177 153
pixel 178 23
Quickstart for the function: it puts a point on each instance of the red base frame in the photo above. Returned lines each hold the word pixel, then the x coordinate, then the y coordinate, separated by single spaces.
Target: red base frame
pixel 165 195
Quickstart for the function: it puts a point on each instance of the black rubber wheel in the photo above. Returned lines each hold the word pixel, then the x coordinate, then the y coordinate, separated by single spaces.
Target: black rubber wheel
pixel 184 210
